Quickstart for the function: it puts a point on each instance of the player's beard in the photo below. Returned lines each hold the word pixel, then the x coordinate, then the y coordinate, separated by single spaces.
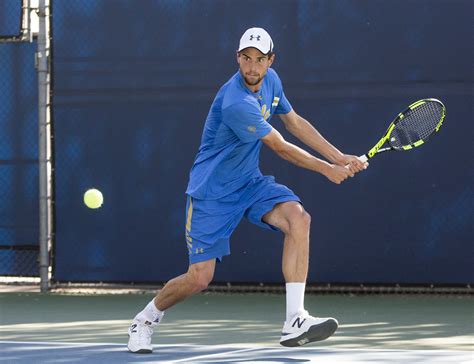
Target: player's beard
pixel 254 80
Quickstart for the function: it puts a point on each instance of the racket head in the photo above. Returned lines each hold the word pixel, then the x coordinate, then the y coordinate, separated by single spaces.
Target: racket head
pixel 416 124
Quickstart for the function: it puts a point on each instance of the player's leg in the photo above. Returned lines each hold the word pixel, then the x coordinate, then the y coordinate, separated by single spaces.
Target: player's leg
pixel 300 328
pixel 277 207
pixel 195 280
pixel 209 225
pixel 292 219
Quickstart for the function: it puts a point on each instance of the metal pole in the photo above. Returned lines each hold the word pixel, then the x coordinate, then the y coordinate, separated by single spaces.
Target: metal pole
pixel 28 21
pixel 26 32
pixel 44 144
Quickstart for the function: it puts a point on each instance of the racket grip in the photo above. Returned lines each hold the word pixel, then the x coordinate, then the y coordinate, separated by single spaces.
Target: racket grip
pixel 363 158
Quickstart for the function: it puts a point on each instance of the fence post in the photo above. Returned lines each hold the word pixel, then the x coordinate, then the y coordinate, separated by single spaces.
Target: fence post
pixel 45 200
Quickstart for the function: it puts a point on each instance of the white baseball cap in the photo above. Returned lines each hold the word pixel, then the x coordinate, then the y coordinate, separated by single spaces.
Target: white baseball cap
pixel 256 38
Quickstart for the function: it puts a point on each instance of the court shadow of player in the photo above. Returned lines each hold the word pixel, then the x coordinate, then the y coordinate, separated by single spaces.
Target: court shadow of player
pixel 258 360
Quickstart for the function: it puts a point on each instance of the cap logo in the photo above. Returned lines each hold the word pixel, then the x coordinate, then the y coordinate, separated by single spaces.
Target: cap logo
pixel 255 36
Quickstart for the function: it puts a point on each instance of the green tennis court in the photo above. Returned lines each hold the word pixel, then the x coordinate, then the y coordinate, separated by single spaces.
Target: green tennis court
pixel 237 327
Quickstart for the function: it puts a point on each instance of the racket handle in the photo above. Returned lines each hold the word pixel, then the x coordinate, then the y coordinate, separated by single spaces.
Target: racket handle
pixel 363 158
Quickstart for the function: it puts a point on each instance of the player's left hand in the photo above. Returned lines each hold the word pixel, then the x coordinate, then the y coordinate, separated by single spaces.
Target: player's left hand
pixel 353 163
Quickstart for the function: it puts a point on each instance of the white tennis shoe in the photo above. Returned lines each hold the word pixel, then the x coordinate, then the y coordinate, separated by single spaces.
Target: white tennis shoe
pixel 140 337
pixel 303 329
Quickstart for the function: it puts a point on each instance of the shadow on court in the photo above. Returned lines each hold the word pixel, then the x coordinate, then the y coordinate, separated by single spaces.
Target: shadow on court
pixel 23 353
pixel 244 327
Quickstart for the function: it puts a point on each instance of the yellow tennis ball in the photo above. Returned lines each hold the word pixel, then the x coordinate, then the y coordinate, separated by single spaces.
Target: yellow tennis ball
pixel 93 198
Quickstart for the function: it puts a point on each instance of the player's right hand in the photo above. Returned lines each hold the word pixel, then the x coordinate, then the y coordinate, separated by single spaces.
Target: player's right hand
pixel 338 174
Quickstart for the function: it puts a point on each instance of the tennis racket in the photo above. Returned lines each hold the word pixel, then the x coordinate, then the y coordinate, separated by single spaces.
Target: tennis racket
pixel 411 128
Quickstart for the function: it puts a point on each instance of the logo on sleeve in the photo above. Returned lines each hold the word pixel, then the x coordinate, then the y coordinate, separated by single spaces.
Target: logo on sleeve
pixel 251 128
pixel 265 112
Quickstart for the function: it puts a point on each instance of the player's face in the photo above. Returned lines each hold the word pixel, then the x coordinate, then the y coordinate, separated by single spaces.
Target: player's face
pixel 253 66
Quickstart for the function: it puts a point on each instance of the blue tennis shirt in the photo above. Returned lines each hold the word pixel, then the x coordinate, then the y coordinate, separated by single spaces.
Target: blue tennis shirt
pixel 228 157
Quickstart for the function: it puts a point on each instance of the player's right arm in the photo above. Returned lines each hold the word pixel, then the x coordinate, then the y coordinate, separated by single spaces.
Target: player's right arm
pixel 294 154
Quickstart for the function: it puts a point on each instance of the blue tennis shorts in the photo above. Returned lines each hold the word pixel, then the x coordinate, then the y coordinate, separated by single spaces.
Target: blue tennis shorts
pixel 210 223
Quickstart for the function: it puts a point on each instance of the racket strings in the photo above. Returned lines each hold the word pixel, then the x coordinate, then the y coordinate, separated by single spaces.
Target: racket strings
pixel 417 124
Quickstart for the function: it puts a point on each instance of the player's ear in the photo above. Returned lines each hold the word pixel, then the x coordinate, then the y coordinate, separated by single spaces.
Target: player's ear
pixel 237 56
pixel 271 58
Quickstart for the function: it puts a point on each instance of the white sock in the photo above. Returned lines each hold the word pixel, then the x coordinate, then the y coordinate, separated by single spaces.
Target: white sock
pixel 150 314
pixel 294 299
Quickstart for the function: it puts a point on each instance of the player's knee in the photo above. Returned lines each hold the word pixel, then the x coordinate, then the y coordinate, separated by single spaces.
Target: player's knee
pixel 298 219
pixel 200 279
pixel 306 219
pixel 202 282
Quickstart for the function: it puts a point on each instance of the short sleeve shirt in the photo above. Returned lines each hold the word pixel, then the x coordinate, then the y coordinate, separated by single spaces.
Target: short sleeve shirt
pixel 228 157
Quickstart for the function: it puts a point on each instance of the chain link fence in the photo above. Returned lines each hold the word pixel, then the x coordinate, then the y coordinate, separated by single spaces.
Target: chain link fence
pixel 19 246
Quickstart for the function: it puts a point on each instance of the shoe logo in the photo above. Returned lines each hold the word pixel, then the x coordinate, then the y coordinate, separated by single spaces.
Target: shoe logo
pixel 303 341
pixel 298 322
pixel 133 327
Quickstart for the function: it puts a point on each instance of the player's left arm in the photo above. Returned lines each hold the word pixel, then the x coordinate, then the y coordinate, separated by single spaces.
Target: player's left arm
pixel 307 133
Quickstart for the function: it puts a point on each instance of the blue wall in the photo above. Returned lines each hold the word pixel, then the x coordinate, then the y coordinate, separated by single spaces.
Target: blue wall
pixel 10 17
pixel 18 160
pixel 133 82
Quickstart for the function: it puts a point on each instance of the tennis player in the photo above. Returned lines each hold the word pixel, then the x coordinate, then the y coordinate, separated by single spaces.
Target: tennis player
pixel 226 184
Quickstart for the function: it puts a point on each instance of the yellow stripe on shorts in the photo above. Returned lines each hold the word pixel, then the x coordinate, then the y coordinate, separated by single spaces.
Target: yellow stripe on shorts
pixel 189 239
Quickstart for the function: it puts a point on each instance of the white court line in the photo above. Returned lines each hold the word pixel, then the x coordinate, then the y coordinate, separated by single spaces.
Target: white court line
pixel 240 347
pixel 207 356
pixel 85 344
pixel 79 344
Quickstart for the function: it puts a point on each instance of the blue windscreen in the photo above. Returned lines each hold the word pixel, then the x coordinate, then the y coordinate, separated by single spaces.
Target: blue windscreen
pixel 133 82
pixel 19 202
pixel 10 17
